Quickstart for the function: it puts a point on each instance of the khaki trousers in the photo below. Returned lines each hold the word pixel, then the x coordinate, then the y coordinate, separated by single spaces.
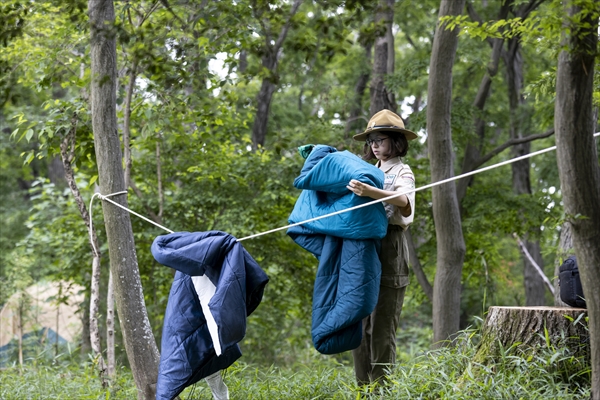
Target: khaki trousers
pixel 377 351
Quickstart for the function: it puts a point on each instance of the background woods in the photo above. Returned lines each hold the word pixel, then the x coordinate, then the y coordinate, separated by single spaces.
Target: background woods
pixel 196 108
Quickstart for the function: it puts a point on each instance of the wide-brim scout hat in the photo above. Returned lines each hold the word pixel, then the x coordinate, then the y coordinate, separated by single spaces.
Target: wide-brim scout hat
pixel 385 120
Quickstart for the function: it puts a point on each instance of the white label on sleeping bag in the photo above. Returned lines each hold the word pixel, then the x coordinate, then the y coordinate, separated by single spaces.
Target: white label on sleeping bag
pixel 206 290
pixel 389 179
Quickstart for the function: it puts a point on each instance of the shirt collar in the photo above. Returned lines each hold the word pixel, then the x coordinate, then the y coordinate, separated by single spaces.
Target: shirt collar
pixel 387 165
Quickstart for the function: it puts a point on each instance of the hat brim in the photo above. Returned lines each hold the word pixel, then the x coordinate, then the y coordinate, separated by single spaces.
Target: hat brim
pixel 361 137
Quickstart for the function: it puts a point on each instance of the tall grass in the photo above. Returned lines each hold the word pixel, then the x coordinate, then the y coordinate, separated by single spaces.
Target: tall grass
pixel 447 373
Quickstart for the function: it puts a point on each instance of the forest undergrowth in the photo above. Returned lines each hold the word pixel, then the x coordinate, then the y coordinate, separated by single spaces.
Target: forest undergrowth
pixel 446 373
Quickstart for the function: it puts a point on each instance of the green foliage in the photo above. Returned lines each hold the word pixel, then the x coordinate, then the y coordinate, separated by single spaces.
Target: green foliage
pixel 446 373
pixel 199 119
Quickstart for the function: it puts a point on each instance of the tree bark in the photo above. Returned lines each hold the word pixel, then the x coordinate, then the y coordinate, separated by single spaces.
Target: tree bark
pixel 161 197
pixel 86 345
pixel 416 266
pixel 513 60
pixel 126 121
pixel 268 87
pixel 578 160
pixel 565 249
pixel 523 330
pixel 21 312
pixel 474 147
pixel 359 92
pixel 140 345
pixel 67 152
pixel 383 60
pixel 446 214
pixel 263 100
pixel 110 328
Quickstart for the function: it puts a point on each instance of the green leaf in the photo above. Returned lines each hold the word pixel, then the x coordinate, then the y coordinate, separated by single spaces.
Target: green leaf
pixel 29 134
pixel 93 180
pixel 30 156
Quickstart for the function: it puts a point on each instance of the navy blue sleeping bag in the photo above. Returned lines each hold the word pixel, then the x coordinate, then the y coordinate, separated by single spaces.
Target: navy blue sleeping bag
pixel 237 284
pixel 346 245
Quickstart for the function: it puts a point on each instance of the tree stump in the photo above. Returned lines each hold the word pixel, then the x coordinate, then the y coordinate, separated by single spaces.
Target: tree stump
pixel 525 330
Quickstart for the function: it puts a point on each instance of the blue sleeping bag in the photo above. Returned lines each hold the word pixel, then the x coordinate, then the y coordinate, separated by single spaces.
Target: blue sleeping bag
pixel 346 245
pixel 236 283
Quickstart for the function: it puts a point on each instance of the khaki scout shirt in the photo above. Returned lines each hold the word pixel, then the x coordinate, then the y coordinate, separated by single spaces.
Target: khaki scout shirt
pixel 398 178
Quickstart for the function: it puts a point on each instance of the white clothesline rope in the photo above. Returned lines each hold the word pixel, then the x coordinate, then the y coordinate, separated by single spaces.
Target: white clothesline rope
pixel 454 178
pixel 106 198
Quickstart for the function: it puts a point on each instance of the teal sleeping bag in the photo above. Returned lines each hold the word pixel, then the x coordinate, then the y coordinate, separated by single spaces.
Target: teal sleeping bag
pixel 346 245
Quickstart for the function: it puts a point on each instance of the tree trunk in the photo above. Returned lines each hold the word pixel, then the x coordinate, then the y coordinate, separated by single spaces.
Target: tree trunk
pixel 473 150
pixel 268 87
pixel 86 345
pixel 126 121
pixel 527 329
pixel 474 147
pixel 140 345
pixel 565 249
pixel 110 328
pixel 578 160
pixel 352 126
pixel 513 60
pixel 383 60
pixel 446 214
pixel 67 152
pixel 20 323
pixel 535 289
pixel 94 311
pixel 161 197
pixel 263 100
pixel 416 266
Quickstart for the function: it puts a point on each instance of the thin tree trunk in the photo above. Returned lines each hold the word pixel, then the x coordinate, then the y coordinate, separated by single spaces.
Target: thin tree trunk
pixel 268 87
pixel 311 66
pixel 110 327
pixel 263 100
pixel 474 147
pixel 383 60
pixel 86 345
pixel 416 266
pixel 473 150
pixel 58 300
pixel 140 345
pixel 127 120
pixel 161 197
pixel 565 249
pixel 67 152
pixel 359 91
pixel 94 329
pixel 513 60
pixel 578 167
pixel 446 214
pixel 20 308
